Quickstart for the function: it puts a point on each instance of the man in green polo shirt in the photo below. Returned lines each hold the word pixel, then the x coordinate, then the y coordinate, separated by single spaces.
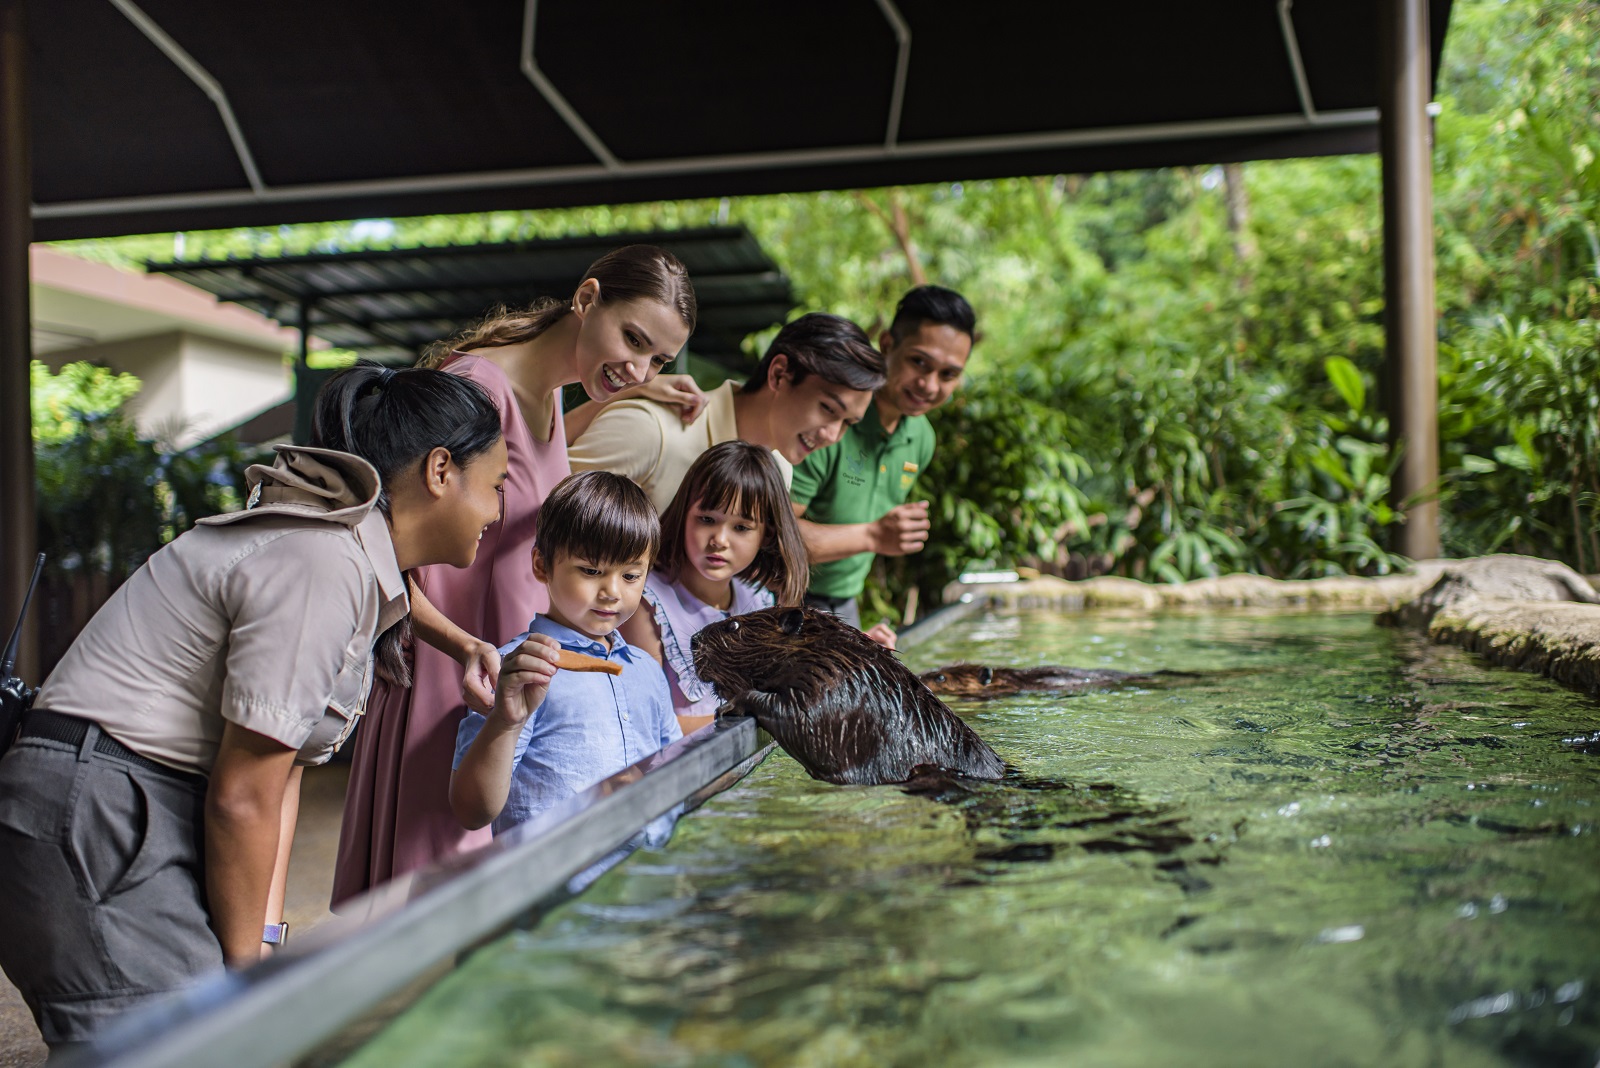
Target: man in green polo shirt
pixel 854 497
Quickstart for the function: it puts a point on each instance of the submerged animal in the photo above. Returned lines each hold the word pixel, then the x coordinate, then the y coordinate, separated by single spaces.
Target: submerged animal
pixel 981 680
pixel 840 704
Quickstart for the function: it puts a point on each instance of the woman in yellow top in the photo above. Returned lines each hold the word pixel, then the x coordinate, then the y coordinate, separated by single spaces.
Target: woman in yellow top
pixel 148 802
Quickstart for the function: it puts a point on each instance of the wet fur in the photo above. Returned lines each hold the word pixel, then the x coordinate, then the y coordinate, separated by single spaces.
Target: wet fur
pixel 983 681
pixel 840 704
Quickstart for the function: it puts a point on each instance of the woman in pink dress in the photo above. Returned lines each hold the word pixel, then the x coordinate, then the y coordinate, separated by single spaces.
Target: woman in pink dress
pixel 632 313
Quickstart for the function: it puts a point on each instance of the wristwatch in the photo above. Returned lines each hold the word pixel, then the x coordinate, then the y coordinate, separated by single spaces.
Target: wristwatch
pixel 275 934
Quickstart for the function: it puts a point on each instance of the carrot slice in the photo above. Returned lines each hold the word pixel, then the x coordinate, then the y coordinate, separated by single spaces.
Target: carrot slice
pixel 568 660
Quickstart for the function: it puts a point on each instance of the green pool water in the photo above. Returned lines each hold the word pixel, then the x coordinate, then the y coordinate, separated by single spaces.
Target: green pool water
pixel 1339 845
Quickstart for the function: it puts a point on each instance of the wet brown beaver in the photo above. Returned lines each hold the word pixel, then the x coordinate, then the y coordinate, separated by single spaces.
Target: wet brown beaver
pixel 981 680
pixel 837 702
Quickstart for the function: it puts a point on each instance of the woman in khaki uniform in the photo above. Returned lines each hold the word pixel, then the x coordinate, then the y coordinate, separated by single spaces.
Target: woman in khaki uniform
pixel 149 799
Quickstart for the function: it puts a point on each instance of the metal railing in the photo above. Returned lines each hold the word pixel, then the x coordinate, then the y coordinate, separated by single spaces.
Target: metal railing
pixel 401 932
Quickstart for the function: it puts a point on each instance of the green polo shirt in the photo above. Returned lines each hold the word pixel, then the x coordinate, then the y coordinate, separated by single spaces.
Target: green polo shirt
pixel 857 480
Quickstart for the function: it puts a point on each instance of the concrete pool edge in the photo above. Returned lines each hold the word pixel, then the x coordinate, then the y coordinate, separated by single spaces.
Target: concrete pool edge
pixel 1227 591
pixel 1558 639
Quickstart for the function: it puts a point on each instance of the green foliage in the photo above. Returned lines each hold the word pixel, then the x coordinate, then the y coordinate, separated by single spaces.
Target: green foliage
pixel 98 511
pixel 331 359
pixel 205 479
pixel 107 499
pixel 1003 485
pixel 81 389
pixel 1521 405
pixel 1347 380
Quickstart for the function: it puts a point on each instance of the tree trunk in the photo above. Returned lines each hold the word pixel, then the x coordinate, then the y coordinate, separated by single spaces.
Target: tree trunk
pixel 1238 201
pixel 899 225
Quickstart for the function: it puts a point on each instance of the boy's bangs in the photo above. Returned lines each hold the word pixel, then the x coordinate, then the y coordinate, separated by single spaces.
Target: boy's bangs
pixel 599 517
pixel 618 535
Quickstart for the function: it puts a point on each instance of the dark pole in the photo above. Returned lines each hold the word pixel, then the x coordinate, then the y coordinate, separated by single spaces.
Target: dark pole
pixel 304 390
pixel 1411 351
pixel 18 532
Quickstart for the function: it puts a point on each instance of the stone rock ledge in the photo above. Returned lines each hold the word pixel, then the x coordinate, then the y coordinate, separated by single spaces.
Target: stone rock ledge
pixel 1517 611
pixel 1229 591
pixel 1561 639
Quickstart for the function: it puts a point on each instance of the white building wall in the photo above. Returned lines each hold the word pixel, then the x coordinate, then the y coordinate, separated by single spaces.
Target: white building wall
pixel 225 383
pixel 154 360
pixel 205 366
pixel 194 386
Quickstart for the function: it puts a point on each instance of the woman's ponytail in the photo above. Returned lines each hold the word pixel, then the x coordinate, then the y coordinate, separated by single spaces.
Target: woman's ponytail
pixel 393 418
pixel 630 273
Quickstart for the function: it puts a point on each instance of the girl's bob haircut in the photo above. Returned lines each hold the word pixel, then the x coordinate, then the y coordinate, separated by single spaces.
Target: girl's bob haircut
pixel 743 479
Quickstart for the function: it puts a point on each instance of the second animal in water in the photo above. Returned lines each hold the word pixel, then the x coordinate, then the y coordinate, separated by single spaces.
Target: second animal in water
pixel 983 681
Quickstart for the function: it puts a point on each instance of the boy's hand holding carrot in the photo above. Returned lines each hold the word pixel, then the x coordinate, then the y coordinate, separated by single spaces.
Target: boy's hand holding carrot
pixel 525 679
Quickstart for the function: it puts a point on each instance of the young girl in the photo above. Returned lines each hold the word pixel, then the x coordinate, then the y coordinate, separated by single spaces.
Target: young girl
pixel 631 313
pixel 729 544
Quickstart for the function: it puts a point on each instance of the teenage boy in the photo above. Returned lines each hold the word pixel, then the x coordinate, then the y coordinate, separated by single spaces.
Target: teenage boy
pixel 816 379
pixel 553 733
pixel 853 499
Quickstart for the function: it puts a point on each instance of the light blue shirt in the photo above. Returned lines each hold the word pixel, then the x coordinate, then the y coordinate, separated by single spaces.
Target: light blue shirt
pixel 590 726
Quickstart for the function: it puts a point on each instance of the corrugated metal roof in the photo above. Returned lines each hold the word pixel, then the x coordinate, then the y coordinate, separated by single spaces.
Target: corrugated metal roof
pixel 388 304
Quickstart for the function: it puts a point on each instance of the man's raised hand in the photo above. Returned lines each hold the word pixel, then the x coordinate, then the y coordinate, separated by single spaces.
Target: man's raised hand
pixel 902 530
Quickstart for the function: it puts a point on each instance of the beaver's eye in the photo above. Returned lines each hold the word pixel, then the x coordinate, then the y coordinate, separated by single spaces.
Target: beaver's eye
pixel 733 625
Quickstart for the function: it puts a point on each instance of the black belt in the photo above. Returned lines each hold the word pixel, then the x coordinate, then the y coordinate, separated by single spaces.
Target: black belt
pixel 72 730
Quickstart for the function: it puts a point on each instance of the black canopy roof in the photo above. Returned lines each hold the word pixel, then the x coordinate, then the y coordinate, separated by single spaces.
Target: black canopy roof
pixel 182 114
pixel 390 303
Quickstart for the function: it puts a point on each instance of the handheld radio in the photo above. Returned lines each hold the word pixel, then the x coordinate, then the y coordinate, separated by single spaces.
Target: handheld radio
pixel 15 695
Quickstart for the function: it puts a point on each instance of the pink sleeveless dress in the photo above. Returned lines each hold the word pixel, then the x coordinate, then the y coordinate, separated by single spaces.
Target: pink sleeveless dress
pixel 397 812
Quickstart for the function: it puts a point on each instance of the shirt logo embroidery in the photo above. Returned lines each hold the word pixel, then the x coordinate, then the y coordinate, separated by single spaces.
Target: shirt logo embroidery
pixel 854 469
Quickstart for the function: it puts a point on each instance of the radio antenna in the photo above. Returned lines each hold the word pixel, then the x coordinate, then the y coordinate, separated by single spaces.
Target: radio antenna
pixel 16 632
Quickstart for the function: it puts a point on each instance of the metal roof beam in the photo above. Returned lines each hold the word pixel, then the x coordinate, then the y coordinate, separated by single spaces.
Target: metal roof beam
pixel 202 78
pixel 552 95
pixel 550 284
pixel 1257 125
pixel 1291 44
pixel 717 236
pixel 272 290
pixel 902 63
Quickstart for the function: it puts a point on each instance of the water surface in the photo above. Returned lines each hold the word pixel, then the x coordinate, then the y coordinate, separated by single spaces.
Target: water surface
pixel 1340 845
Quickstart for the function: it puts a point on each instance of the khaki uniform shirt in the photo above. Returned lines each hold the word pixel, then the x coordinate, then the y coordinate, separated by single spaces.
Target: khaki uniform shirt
pixel 264 617
pixel 648 443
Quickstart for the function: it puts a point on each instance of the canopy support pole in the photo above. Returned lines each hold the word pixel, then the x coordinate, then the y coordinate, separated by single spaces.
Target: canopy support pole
pixel 18 529
pixel 305 391
pixel 1411 342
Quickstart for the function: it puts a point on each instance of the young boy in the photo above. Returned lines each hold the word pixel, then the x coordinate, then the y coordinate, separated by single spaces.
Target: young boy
pixel 552 734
